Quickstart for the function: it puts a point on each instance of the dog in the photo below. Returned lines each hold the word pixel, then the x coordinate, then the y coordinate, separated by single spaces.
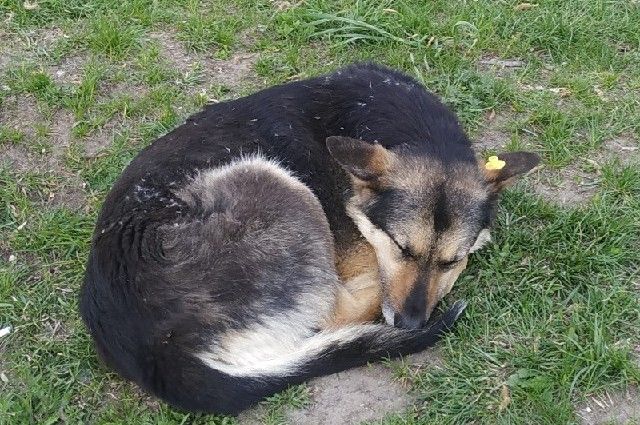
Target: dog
pixel 255 246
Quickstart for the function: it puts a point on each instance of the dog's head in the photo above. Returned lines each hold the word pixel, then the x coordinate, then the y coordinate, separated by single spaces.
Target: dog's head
pixel 423 217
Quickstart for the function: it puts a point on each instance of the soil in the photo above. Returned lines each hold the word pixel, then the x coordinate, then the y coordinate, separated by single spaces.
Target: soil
pixel 367 393
pixel 233 73
pixel 611 408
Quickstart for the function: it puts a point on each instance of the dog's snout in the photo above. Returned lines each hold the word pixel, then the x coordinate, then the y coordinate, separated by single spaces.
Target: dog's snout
pixel 408 322
pixel 414 311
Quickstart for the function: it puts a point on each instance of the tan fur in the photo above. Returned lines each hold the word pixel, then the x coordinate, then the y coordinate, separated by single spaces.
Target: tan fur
pixel 499 184
pixel 387 253
pixel 356 260
pixel 516 165
pixel 483 238
pixel 401 275
pixel 401 283
pixel 357 301
pixel 450 245
pixel 380 160
pixel 441 283
pixel 418 235
pixel 359 298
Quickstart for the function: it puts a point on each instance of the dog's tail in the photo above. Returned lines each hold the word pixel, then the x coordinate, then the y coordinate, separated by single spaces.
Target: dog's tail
pixel 196 383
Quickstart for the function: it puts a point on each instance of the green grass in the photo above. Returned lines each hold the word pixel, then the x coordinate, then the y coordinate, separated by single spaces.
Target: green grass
pixel 109 36
pixel 554 311
pixel 10 135
pixel 566 323
pixel 275 406
pixel 84 95
pixel 201 33
pixel 36 82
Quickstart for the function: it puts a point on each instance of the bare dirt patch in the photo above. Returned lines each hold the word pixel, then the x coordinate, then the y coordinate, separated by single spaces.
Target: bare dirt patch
pixel 494 134
pixel 572 185
pixel 124 89
pixel 55 330
pixel 99 140
pixel 234 73
pixel 43 38
pixel 21 112
pixel 568 186
pixel 69 191
pixel 71 194
pixel 69 70
pixel 27 45
pixel 174 52
pixel 363 394
pixel 281 5
pixel 21 160
pixel 624 148
pixel 60 135
pixel 119 389
pixel 578 182
pixel 431 358
pixel 352 397
pixel 8 54
pixel 618 408
pixel 499 66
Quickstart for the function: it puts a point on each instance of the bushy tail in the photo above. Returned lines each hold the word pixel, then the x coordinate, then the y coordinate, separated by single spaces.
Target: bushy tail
pixel 190 383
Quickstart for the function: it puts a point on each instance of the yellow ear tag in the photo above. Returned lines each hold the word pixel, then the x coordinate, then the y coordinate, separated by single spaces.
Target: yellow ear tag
pixel 493 163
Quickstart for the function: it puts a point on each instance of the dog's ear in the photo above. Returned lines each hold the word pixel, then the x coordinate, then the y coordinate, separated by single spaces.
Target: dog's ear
pixel 365 161
pixel 508 166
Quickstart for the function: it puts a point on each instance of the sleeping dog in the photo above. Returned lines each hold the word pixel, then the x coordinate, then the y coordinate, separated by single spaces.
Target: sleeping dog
pixel 256 245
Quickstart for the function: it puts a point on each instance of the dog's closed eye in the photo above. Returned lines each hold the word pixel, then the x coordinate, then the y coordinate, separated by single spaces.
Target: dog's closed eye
pixel 447 265
pixel 406 251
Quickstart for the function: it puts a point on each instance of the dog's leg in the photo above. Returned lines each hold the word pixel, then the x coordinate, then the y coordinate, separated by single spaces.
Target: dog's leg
pixel 359 298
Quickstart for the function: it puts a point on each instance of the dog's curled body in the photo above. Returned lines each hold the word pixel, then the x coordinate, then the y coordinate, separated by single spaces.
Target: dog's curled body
pixel 211 279
pixel 212 294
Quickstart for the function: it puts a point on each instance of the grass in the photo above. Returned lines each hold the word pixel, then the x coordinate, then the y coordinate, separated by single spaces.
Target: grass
pixel 554 315
pixel 567 322
pixel 201 33
pixel 111 37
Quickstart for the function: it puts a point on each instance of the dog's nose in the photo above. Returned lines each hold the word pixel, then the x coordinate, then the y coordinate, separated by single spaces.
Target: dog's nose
pixel 408 322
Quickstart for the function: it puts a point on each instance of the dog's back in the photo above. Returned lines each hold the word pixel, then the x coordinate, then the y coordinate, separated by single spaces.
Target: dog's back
pixel 291 123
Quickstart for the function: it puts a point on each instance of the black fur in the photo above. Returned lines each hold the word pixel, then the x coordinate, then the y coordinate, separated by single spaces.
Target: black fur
pixel 292 122
pixel 139 302
pixel 441 219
